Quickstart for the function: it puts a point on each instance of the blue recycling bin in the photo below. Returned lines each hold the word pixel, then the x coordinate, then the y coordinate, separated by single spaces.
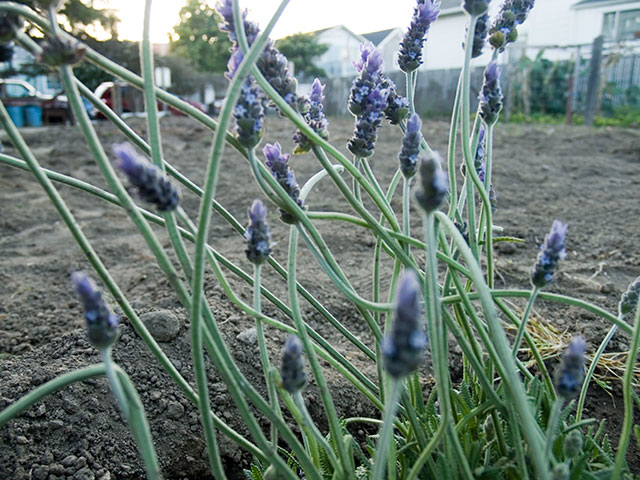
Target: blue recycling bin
pixel 33 114
pixel 16 115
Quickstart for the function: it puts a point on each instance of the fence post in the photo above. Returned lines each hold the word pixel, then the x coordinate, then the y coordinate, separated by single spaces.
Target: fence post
pixel 593 85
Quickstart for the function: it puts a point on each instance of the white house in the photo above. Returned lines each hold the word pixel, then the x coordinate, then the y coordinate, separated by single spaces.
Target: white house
pixel 344 49
pixel 551 24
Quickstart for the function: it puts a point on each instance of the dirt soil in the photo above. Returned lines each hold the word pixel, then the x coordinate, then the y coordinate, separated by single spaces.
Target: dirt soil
pixel 587 178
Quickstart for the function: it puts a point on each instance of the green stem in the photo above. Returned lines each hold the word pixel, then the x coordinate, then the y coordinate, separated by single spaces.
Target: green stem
pixel 546 377
pixel 264 355
pixel 46 389
pixel 406 211
pixel 425 454
pixel 440 342
pixel 325 394
pixel 140 426
pixel 591 371
pixel 627 394
pixel 451 153
pixel 487 210
pixel 386 435
pixel 220 355
pixel 318 437
pixel 498 336
pixel 116 388
pixel 146 59
pixel 523 323
pixel 357 161
pixel 104 274
pixel 552 426
pixel 553 297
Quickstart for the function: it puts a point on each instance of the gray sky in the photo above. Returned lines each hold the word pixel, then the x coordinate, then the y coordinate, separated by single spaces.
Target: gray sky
pixel 361 16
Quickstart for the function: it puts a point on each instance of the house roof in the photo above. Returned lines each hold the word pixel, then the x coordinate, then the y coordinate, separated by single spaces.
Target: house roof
pixel 588 3
pixel 377 37
pixel 360 38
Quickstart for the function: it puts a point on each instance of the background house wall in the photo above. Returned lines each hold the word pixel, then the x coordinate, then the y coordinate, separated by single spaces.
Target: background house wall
pixel 344 49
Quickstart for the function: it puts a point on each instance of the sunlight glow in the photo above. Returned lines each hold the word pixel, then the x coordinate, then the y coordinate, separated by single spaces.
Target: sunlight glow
pixel 361 16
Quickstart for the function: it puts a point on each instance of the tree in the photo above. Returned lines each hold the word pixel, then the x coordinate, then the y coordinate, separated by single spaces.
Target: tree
pixel 301 49
pixel 198 37
pixel 79 14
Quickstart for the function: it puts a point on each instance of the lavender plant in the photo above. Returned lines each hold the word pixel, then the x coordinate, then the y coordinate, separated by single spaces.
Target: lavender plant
pixel 501 419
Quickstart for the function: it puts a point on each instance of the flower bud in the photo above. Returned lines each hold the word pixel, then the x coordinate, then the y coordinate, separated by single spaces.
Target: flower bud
pixel 434 182
pixel 410 153
pixel 292 371
pixel 151 184
pixel 57 52
pixel 403 349
pixel 560 472
pixel 475 7
pixel 491 94
pixel 629 300
pixel 278 163
pixel 570 373
pixel 551 252
pixel 257 234
pixel 102 324
pixel 315 118
pixel 573 444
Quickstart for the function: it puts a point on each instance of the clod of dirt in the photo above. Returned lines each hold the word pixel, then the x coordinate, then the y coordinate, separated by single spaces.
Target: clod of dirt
pixel 249 336
pixel 163 325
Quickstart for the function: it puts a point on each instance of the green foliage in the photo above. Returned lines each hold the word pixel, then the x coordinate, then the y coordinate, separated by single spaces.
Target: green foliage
pixel 542 86
pixel 79 14
pixel 301 49
pixel 198 38
pixel 185 79
pixel 123 52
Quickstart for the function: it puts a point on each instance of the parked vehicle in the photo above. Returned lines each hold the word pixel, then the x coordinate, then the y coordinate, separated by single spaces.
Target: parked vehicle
pixel 18 93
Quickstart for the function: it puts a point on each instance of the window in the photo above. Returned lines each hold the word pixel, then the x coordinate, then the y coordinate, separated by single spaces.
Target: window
pixel 625 25
pixel 53 83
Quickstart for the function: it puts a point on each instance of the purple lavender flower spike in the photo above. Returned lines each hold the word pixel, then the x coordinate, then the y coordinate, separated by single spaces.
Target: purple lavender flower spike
pixel 314 117
pixel 366 132
pixel 225 10
pixel 403 349
pixel 233 64
pixel 248 112
pixel 278 163
pixel 551 252
pixel 424 14
pixel 491 94
pixel 475 7
pixel 513 13
pixel 410 153
pixel 151 184
pixel 292 371
pixel 434 182
pixel 570 373
pixel 274 67
pixel 257 235
pixel 271 63
pixel 479 35
pixel 369 78
pixel 102 324
pixel 397 105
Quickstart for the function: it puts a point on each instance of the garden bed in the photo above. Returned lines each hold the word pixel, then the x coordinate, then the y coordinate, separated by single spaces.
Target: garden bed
pixel 587 178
